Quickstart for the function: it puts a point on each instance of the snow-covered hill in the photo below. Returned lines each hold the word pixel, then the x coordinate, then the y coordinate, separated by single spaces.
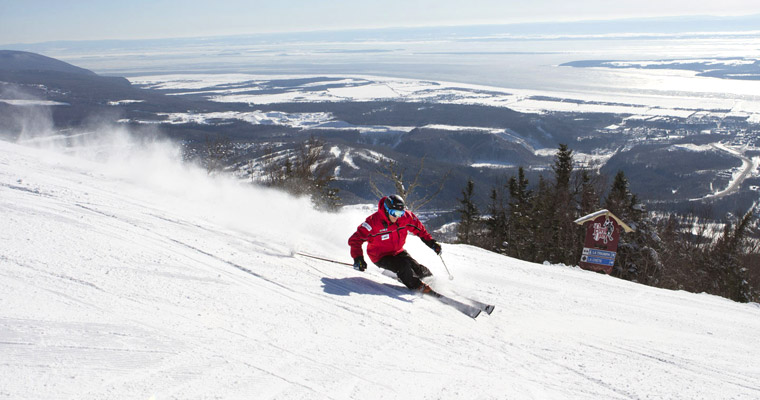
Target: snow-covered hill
pixel 137 277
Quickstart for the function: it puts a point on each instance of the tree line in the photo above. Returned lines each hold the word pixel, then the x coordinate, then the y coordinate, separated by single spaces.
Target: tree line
pixel 681 252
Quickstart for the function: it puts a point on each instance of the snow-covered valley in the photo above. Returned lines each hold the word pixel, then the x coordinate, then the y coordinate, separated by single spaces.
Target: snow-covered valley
pixel 268 89
pixel 131 275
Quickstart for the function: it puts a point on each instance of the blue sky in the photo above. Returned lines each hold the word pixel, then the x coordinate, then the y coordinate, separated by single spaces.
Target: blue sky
pixel 30 21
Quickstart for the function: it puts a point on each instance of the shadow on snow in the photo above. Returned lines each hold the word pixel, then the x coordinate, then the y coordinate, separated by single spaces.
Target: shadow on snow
pixel 346 286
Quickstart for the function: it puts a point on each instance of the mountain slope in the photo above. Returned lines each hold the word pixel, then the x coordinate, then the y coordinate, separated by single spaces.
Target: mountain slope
pixel 143 278
pixel 11 60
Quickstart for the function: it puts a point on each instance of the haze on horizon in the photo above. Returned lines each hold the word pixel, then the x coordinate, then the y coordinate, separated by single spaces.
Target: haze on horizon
pixel 35 21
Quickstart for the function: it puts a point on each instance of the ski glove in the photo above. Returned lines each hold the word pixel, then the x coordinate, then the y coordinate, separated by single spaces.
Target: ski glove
pixel 434 245
pixel 360 264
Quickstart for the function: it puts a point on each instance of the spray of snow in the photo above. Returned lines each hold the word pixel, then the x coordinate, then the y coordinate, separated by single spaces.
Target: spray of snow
pixel 155 165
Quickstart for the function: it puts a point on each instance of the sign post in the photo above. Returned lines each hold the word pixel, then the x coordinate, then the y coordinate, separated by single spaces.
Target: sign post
pixel 602 237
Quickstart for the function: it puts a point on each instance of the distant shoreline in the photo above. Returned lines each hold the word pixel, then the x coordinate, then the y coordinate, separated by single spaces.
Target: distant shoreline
pixel 724 68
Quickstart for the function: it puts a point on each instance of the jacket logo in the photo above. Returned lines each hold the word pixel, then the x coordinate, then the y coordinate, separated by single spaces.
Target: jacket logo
pixel 386 236
pixel 367 226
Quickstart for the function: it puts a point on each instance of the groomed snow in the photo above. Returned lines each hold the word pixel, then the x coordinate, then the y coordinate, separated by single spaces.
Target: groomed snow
pixel 142 278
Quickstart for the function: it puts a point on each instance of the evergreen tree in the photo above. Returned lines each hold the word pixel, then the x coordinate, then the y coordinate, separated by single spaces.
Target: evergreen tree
pixel 619 198
pixel 589 198
pixel 638 256
pixel 588 202
pixel 553 210
pixel 469 215
pixel 562 210
pixel 725 271
pixel 496 223
pixel 563 168
pixel 519 234
pixel 542 226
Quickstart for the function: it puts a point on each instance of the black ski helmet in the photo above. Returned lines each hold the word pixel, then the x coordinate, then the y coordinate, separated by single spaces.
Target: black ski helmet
pixel 394 202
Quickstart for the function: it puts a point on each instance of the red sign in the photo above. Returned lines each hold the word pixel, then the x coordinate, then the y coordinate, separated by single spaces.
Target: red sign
pixel 600 248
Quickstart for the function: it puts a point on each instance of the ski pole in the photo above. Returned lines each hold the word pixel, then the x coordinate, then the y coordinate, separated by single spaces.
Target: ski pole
pixel 451 277
pixel 324 259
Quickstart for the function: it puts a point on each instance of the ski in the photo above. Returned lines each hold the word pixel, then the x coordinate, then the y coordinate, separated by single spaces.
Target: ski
pixel 466 309
pixel 471 310
pixel 488 308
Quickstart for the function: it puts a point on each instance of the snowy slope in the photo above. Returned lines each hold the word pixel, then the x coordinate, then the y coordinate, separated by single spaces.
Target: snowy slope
pixel 140 278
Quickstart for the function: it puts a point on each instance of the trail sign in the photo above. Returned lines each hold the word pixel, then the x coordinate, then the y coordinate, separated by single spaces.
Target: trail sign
pixel 602 237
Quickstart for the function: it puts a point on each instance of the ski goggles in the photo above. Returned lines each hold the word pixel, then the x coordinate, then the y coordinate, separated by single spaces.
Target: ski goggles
pixel 394 213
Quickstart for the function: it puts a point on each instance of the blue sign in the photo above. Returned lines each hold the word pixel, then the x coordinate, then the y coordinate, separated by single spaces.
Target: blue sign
pixel 598 253
pixel 599 260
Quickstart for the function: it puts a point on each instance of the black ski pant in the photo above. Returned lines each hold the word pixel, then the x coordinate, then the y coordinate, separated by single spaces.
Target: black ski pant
pixel 408 270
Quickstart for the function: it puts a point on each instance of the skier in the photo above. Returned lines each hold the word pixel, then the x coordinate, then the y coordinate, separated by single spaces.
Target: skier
pixel 385 231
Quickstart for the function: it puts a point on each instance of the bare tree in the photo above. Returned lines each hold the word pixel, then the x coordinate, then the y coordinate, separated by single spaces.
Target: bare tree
pixel 303 171
pixel 217 153
pixel 391 171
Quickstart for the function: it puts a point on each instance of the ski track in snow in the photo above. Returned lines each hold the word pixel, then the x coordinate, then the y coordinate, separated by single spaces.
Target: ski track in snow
pixel 121 281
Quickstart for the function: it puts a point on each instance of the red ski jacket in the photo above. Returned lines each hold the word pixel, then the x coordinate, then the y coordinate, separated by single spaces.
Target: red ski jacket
pixel 383 237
